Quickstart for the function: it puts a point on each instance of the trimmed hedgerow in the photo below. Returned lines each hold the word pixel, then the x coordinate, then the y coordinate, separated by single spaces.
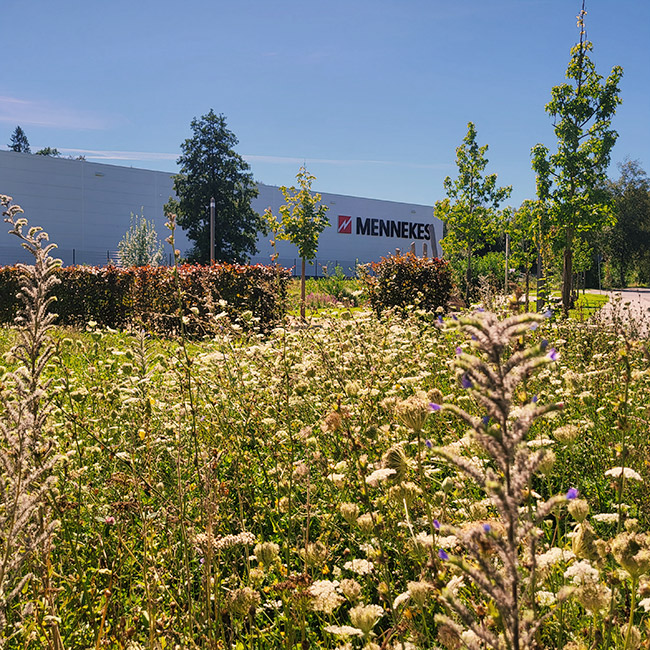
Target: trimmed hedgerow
pixel 151 296
pixel 406 280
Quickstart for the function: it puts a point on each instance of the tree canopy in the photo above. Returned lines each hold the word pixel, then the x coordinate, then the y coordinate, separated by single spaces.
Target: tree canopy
pixel 470 211
pixel 210 168
pixel 572 181
pixel 19 142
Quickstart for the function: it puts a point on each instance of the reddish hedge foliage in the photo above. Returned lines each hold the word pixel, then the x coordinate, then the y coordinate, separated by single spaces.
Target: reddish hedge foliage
pixel 149 296
pixel 403 280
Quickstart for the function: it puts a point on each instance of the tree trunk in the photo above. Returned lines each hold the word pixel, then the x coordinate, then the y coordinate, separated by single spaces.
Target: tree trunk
pixel 527 286
pixel 302 289
pixel 468 275
pixel 567 273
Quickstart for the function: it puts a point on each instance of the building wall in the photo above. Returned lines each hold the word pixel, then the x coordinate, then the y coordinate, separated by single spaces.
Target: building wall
pixel 86 207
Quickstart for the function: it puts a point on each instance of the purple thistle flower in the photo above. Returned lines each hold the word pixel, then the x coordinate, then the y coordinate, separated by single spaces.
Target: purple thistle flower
pixel 487 528
pixel 553 354
pixel 436 524
pixel 443 555
pixel 465 381
pixel 434 407
pixel 572 494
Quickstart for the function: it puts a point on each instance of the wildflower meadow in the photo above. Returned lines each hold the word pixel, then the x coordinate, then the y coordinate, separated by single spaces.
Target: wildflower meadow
pixel 408 479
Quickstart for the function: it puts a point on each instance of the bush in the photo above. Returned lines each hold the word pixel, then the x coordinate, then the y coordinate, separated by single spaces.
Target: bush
pixel 149 296
pixel 403 280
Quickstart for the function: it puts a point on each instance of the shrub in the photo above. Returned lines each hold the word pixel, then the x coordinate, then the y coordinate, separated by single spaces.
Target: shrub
pixel 402 280
pixel 149 296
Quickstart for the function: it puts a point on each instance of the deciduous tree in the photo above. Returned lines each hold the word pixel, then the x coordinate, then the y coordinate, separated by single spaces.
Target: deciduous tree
pixel 572 181
pixel 211 168
pixel 628 240
pixel 470 211
pixel 302 220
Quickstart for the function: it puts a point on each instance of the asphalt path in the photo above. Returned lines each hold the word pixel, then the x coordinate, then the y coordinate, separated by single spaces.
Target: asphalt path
pixel 628 309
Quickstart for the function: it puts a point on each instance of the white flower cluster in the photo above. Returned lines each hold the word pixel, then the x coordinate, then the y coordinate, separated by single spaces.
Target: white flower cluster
pixel 359 566
pixel 326 596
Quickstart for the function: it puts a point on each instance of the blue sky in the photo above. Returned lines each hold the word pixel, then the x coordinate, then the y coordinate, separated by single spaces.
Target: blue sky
pixel 373 95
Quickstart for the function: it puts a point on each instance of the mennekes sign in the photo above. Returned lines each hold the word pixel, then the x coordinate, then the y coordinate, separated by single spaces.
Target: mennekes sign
pixel 384 228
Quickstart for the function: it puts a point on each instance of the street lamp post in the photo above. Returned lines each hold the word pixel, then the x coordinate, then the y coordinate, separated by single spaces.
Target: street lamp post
pixel 212 206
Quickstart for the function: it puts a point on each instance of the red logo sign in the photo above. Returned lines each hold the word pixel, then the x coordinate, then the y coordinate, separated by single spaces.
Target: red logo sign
pixel 345 225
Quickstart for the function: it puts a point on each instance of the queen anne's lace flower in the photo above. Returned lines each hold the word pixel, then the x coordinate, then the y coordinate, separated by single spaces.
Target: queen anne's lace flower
pixel 627 472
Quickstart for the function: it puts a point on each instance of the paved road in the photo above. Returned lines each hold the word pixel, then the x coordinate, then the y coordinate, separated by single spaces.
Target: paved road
pixel 630 308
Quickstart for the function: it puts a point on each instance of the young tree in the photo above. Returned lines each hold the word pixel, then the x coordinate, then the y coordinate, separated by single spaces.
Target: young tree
pixel 628 240
pixel 140 245
pixel 525 231
pixel 572 181
pixel 470 211
pixel 302 220
pixel 211 168
pixel 19 142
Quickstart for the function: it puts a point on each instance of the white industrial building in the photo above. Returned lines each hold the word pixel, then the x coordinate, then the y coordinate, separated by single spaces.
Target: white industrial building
pixel 86 209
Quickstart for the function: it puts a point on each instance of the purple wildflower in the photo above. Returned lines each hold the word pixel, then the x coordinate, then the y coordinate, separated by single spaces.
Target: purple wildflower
pixel 440 318
pixel 459 350
pixel 572 494
pixel 534 400
pixel 487 528
pixel 443 555
pixel 553 354
pixel 548 313
pixel 434 407
pixel 428 443
pixel 534 326
pixel 480 309
pixel 436 524
pixel 465 381
pixel 486 420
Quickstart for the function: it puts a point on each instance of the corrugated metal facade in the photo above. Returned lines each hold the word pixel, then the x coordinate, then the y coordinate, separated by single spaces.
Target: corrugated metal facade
pixel 86 207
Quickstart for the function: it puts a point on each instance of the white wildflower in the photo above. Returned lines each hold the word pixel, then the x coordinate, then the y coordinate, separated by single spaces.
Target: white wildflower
pixel 606 517
pixel 627 472
pixel 582 573
pixel 359 566
pixel 553 557
pixel 402 598
pixel 379 475
pixel 343 630
pixel 545 598
pixel 326 596
pixel 540 442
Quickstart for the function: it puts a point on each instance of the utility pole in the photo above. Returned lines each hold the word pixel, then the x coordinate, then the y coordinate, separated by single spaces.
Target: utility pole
pixel 212 206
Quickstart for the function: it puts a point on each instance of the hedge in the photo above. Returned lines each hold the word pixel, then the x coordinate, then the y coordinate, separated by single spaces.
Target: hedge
pixel 149 296
pixel 401 281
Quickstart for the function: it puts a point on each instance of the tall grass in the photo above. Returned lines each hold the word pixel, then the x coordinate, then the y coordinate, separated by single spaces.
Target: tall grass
pixel 288 489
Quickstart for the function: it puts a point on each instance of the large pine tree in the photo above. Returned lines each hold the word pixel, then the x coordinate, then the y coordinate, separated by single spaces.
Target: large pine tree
pixel 19 142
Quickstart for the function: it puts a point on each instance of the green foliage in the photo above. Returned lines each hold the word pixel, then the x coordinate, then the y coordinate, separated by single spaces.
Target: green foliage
pixel 148 296
pixel 470 211
pixel 627 241
pixel 210 168
pixel 140 245
pixel 572 181
pixel 19 142
pixel 407 281
pixel 302 220
pixel 48 151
